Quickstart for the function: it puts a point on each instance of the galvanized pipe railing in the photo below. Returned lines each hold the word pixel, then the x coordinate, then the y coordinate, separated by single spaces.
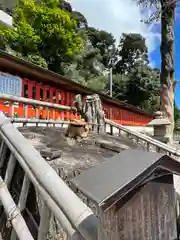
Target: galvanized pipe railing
pixel 51 114
pixel 39 122
pixel 20 107
pixel 149 143
pixel 13 213
pixel 74 216
pixel 28 101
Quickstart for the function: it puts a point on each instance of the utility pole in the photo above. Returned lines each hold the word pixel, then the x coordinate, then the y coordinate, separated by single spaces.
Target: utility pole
pixel 110 88
pixel 110 82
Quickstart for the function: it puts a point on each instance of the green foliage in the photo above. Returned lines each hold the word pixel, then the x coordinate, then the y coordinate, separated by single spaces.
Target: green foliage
pixel 66 6
pixel 50 34
pixel 132 50
pixel 88 63
pixel 45 30
pixel 77 16
pixel 93 58
pixel 140 88
pixel 36 59
pixel 120 82
pixel 80 19
pixel 98 83
pixel 102 41
pixel 143 83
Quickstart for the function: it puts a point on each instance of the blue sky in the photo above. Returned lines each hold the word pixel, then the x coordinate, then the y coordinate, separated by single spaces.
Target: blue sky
pixel 123 16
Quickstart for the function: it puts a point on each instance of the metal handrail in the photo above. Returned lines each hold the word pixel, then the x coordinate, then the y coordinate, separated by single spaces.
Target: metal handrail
pixel 72 212
pixel 27 101
pixel 145 138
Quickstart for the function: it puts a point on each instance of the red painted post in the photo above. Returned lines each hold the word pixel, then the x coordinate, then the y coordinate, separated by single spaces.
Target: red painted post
pixel 28 93
pixel 67 104
pixel 62 103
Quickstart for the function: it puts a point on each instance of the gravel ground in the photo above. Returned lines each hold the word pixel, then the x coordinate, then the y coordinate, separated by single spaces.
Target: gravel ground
pixel 74 153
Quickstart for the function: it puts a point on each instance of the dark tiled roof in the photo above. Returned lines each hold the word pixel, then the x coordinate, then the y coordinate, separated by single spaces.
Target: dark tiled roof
pixel 115 177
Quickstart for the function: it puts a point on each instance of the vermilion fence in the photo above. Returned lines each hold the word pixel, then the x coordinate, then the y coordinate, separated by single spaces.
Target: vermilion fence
pixel 34 90
pixel 125 117
pixel 30 107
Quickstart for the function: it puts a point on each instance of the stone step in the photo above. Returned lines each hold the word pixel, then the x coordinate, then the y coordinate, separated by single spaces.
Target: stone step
pixel 111 146
pixel 50 154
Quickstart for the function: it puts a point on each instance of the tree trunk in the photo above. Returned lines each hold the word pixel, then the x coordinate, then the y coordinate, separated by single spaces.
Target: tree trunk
pixel 167 64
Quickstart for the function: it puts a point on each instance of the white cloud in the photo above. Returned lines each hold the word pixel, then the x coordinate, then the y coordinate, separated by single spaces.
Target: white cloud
pixel 117 17
pixel 152 64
